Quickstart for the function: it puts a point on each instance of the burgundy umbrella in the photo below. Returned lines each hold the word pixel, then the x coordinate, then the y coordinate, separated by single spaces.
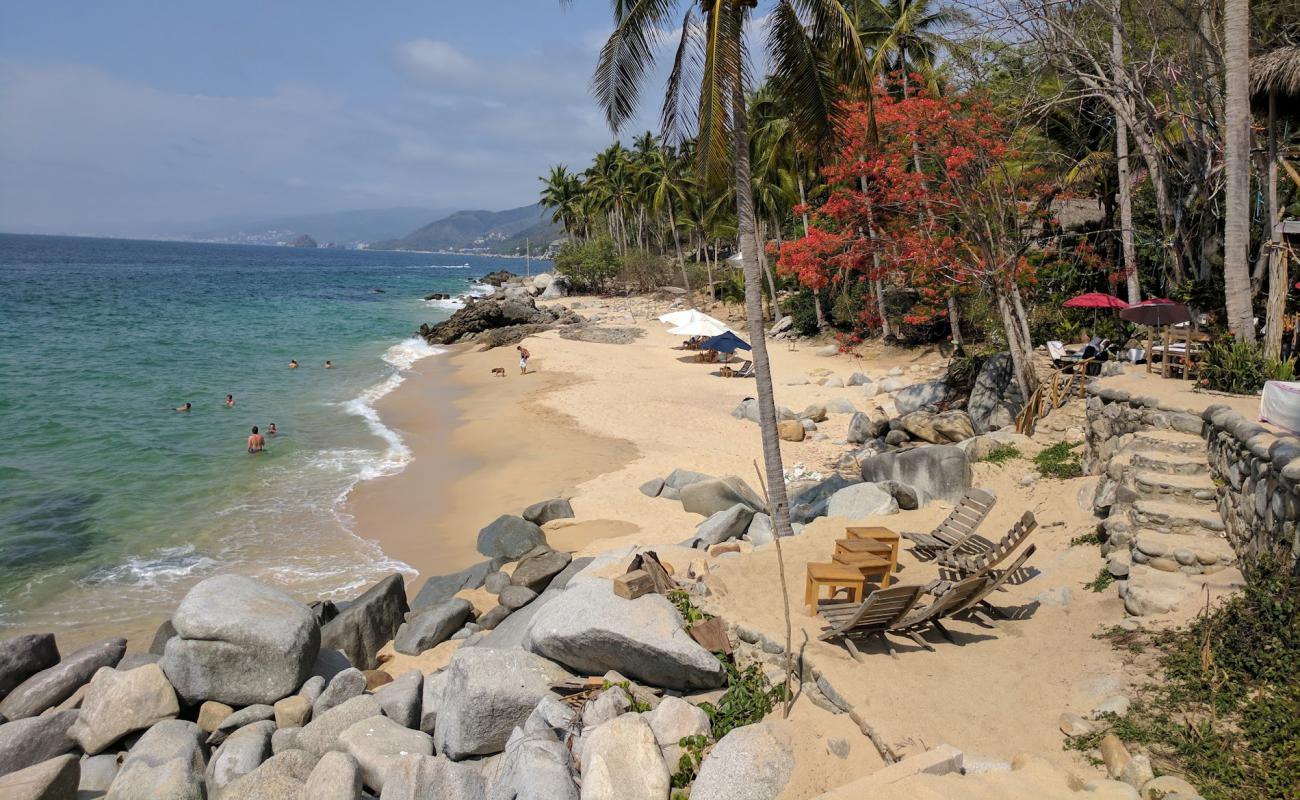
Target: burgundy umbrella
pixel 1095 300
pixel 1156 312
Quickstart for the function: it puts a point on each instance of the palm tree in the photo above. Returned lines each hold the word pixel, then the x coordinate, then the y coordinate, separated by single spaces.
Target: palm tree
pixel 562 192
pixel 1236 146
pixel 666 193
pixel 706 92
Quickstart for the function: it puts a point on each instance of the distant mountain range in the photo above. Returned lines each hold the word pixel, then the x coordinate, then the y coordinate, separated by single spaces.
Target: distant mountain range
pixel 339 227
pixel 485 231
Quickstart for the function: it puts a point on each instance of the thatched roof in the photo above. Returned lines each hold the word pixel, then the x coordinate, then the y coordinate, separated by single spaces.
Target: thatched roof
pixel 1277 70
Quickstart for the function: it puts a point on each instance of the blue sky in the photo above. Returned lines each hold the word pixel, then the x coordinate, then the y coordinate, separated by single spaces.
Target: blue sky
pixel 138 116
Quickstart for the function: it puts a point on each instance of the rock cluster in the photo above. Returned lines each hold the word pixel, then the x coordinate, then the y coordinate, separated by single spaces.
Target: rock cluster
pixel 505 316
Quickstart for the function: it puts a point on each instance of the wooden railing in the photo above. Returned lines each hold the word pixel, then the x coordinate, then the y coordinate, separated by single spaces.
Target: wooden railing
pixel 1051 394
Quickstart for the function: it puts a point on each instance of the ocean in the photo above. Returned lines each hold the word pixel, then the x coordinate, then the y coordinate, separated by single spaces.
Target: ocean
pixel 111 503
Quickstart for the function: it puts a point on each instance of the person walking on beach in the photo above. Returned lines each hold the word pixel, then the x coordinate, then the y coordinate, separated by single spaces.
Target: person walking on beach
pixel 293 363
pixel 230 401
pixel 185 408
pixel 256 442
pixel 524 355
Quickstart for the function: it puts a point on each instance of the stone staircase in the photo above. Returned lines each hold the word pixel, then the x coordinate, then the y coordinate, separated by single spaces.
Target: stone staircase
pixel 1162 524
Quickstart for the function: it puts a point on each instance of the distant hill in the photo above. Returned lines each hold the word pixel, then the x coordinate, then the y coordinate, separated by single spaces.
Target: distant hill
pixel 340 227
pixel 488 231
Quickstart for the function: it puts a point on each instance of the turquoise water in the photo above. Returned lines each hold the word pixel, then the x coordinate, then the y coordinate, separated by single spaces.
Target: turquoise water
pixel 111 503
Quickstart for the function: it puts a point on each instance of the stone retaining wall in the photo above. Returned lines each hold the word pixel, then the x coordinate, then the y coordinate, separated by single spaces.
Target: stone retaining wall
pixel 1113 413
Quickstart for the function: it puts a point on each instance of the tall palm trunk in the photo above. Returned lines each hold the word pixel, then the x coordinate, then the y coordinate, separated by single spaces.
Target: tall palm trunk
pixel 803 201
pixel 1277 271
pixel 747 224
pixel 681 262
pixel 1121 161
pixel 762 262
pixel 1236 233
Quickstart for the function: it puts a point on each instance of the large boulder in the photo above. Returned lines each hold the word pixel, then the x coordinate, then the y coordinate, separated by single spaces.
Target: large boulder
pixel 440 588
pixel 861 500
pixel 485 694
pixel 54 779
pixel 547 510
pixel 240 642
pixel 811 503
pixel 673 720
pixel 509 537
pixel 368 623
pixel 21 657
pixel 557 288
pixel 400 699
pixel 921 425
pixel 26 742
pixel 421 777
pixel 928 396
pixel 728 524
pixel 432 626
pixel 344 686
pixel 937 472
pixel 337 776
pixel 167 762
pixel 118 703
pixel 591 630
pixel 281 777
pixel 749 763
pixel 53 685
pixel 954 426
pixel 240 754
pixel 536 571
pixel 708 497
pixel 995 398
pixel 503 310
pixel 681 478
pixel 533 767
pixel 377 743
pixel 621 761
pixel 510 631
pixel 321 734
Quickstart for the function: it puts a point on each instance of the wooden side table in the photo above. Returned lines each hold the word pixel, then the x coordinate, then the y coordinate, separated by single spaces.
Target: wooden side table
pixel 876 533
pixel 875 560
pixel 836 577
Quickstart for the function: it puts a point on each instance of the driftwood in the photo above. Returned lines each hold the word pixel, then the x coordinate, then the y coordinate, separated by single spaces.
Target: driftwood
pixel 633 584
pixel 649 563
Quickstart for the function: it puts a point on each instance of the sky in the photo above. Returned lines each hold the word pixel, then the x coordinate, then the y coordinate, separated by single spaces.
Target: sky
pixel 141 117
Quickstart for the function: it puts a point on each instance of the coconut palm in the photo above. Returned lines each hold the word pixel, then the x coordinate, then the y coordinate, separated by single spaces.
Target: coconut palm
pixel 1236 233
pixel 706 94
pixel 562 193
pixel 665 194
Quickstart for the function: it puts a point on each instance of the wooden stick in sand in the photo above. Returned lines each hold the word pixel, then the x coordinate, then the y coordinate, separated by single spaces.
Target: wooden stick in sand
pixel 785 592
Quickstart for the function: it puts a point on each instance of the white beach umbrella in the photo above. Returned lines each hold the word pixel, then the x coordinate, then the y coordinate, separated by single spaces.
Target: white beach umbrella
pixel 679 317
pixel 707 326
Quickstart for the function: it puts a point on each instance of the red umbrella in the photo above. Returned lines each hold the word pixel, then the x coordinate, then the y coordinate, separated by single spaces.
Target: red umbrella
pixel 1095 300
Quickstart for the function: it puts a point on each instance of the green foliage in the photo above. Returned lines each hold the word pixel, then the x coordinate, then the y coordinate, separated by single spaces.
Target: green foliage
pixel 643 269
pixel 638 706
pixel 1002 454
pixel 1241 368
pixel 688 766
pixel 690 613
pixel 1059 461
pixel 1100 583
pixel 590 265
pixel 963 369
pixel 802 306
pixel 1226 713
pixel 1086 539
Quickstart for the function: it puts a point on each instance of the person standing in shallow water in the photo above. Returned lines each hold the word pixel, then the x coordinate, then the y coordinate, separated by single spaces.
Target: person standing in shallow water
pixel 524 355
pixel 256 442
pixel 230 401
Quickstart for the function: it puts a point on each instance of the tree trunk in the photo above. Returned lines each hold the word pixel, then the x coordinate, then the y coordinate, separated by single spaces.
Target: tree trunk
pixel 803 201
pixel 1236 230
pixel 1278 279
pixel 954 320
pixel 681 262
pixel 754 314
pixel 1022 359
pixel 1121 160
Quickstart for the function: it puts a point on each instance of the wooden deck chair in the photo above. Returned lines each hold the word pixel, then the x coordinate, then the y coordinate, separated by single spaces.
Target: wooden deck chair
pixel 931 616
pixel 957 528
pixel 872 617
pixel 979 604
pixel 745 370
pixel 961 565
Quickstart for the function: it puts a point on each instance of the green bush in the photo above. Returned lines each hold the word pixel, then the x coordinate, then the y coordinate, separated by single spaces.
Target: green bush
pixel 1059 461
pixel 802 307
pixel 643 269
pixel 1241 368
pixel 589 265
pixel 1002 454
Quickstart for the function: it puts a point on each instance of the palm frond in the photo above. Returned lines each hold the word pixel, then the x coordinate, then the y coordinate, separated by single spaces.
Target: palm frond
pixel 802 73
pixel 676 119
pixel 720 71
pixel 627 55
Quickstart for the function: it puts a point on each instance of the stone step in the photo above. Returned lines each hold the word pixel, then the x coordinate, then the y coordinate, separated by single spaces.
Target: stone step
pixel 1168 441
pixel 1195 489
pixel 1168 516
pixel 1170 463
pixel 1192 554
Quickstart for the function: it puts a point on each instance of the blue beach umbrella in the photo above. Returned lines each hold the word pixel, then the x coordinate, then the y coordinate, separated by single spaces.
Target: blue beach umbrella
pixel 725 343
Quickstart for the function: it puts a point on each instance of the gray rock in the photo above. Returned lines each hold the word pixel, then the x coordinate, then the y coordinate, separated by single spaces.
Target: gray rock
pixel 861 500
pixel 547 510
pixel 591 630
pixel 897 438
pixel 313 687
pixel 812 502
pixel 838 747
pixel 132 660
pixel 240 642
pixel 400 699
pixel 441 588
pixel 510 537
pixel 708 497
pixel 53 685
pixel 815 412
pixel 681 478
pixel 320 735
pixel 167 762
pixel 746 409
pixel 577 565
pixel 494 617
pixel 828 350
pixel 536 571
pixel 337 776
pixel 166 630
pixel 431 700
pixel 621 761
pixel 760 530
pixel 940 472
pixel 431 626
pixel 907 498
pixel 724 525
pixel 516 597
pixel 652 487
pixel 487 693
pixel 27 742
pixel 237 720
pixel 376 743
pixel 53 779
pixel 510 631
pixel 21 657
pixel 368 623
pixel 118 703
pixel 496 582
pixel 419 777
pixel 329 662
pixel 749 763
pixel 285 739
pixel 673 720
pixel 995 397
pixel 342 687
pixel 608 705
pixel 921 396
pixel 241 753
pixel 97 774
pixel 533 768
pixel 280 777
pixel 1115 704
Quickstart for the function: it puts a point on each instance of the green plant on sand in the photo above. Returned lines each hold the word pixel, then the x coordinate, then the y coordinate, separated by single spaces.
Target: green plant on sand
pixel 1059 461
pixel 750 697
pixel 1001 454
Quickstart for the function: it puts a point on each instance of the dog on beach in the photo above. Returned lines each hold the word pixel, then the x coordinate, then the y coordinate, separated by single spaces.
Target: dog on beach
pixel 499 372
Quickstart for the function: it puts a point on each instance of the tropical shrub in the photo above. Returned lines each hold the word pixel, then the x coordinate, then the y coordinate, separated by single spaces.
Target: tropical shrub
pixel 589 265
pixel 801 306
pixel 1241 368
pixel 643 269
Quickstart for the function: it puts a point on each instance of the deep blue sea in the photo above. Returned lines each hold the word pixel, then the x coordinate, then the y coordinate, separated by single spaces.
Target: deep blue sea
pixel 111 503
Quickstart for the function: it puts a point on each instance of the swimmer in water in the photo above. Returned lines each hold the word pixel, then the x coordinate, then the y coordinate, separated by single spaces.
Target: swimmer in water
pixel 328 365
pixel 271 431
pixel 293 363
pixel 256 442
pixel 230 401
pixel 184 408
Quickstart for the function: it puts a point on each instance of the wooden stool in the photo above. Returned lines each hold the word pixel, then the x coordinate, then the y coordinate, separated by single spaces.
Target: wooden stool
pixel 876 533
pixel 835 576
pixel 873 559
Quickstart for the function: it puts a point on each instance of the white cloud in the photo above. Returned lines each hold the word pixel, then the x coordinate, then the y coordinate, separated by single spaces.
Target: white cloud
pixel 434 61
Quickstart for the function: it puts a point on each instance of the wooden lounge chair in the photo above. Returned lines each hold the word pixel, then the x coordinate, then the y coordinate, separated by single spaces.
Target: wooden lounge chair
pixel 954 564
pixel 979 604
pixel 872 617
pixel 956 599
pixel 745 370
pixel 958 528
